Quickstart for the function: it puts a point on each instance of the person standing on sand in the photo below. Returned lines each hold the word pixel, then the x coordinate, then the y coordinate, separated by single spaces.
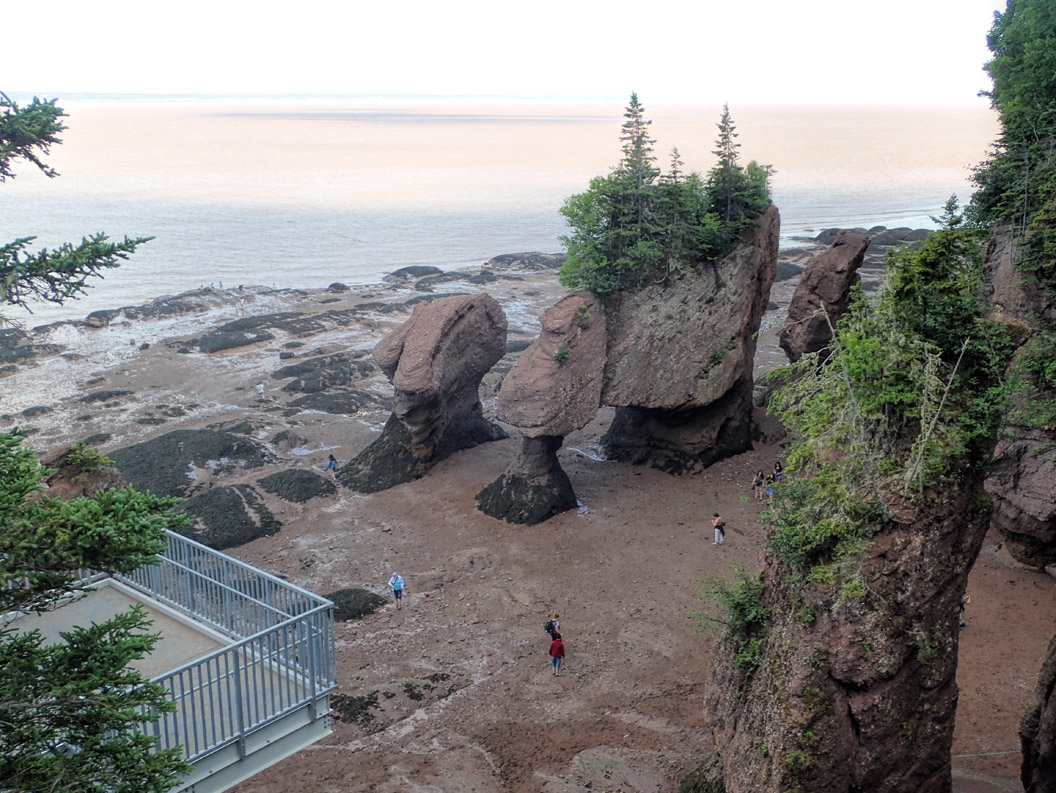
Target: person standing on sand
pixel 757 484
pixel 557 652
pixel 720 528
pixel 331 466
pixel 396 584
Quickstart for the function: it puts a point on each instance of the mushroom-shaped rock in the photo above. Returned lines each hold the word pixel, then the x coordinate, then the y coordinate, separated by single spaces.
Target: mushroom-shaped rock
pixel 435 360
pixel 554 389
pixel 824 289
pixel 680 354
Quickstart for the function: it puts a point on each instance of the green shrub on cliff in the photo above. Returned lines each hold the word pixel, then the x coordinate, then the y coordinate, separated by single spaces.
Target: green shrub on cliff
pixel 637 225
pixel 911 392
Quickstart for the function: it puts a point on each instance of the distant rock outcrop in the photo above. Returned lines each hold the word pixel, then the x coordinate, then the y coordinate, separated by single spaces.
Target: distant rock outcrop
pixel 554 389
pixel 824 289
pixel 680 356
pixel 435 361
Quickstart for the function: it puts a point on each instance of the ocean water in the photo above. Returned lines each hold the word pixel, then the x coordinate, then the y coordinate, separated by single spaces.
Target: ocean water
pixel 302 194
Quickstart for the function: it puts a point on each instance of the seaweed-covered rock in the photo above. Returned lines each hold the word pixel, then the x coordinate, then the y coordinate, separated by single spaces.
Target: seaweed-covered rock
pixel 165 465
pixel 297 485
pixel 313 375
pixel 225 517
pixel 534 489
pixel 353 604
pixel 340 403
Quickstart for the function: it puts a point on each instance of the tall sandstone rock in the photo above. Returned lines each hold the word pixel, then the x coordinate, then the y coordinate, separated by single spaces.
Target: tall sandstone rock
pixel 1023 487
pixel 822 295
pixel 1021 480
pixel 678 368
pixel 435 361
pixel 861 698
pixel 554 389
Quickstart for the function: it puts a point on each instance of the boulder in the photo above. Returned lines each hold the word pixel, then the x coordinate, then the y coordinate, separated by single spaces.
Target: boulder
pixel 435 361
pixel 824 289
pixel 177 463
pixel 680 354
pixel 1037 731
pixel 297 485
pixel 225 517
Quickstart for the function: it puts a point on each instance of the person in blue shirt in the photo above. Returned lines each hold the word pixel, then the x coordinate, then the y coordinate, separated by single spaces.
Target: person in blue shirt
pixel 396 584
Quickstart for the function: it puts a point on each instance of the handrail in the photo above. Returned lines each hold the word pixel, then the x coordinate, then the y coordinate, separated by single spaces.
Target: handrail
pixel 287 661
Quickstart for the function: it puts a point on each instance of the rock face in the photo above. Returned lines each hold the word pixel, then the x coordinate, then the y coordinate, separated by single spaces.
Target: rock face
pixel 1037 733
pixel 435 361
pixel 861 697
pixel 554 389
pixel 680 354
pixel 1021 479
pixel 826 284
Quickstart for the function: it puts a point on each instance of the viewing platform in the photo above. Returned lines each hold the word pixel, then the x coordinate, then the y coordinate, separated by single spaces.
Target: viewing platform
pixel 247 658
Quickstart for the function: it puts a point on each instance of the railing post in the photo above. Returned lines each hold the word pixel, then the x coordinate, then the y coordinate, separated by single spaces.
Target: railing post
pixel 240 723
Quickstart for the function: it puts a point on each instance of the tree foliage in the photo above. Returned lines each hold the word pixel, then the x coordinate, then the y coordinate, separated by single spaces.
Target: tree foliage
pixel 637 224
pixel 1018 181
pixel 72 711
pixel 27 133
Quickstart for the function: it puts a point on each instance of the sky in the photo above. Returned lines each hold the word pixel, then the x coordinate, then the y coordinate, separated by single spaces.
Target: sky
pixel 702 52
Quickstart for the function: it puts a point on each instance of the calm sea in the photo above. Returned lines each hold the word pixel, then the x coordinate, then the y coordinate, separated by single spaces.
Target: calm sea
pixel 304 194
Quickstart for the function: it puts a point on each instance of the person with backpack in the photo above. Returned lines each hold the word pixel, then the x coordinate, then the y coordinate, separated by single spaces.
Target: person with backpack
pixel 396 584
pixel 720 529
pixel 557 652
pixel 553 626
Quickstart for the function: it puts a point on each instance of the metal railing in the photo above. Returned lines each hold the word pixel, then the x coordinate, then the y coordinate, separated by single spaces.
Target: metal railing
pixel 281 659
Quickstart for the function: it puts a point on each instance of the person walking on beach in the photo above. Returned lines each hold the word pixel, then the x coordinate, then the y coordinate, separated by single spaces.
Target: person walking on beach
pixel 720 528
pixel 757 484
pixel 331 466
pixel 396 584
pixel 557 652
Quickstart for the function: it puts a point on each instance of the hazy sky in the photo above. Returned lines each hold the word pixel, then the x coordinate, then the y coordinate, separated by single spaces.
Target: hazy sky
pixel 700 51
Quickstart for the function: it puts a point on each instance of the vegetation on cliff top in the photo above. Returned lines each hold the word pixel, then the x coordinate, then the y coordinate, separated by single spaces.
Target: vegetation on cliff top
pixel 909 394
pixel 1017 184
pixel 637 225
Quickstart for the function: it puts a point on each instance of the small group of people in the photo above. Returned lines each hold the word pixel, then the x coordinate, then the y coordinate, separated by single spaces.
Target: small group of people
pixel 763 486
pixel 557 647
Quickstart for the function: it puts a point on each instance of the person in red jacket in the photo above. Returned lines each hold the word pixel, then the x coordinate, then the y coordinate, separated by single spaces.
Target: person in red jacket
pixel 557 652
